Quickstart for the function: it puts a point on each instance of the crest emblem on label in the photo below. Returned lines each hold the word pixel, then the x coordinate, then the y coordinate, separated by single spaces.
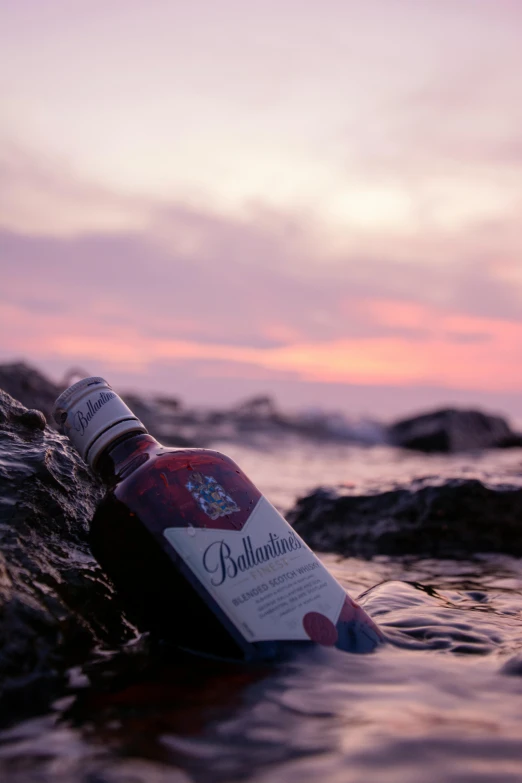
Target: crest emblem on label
pixel 210 496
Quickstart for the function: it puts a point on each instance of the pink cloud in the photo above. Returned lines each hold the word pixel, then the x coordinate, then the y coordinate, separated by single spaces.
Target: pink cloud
pixel 489 364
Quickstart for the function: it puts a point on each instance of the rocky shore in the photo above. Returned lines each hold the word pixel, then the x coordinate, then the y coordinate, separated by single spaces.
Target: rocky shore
pixel 174 423
pixel 56 605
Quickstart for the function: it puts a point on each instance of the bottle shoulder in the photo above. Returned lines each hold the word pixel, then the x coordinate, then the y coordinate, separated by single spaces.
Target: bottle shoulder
pixel 193 456
pixel 172 461
pixel 146 457
pixel 181 487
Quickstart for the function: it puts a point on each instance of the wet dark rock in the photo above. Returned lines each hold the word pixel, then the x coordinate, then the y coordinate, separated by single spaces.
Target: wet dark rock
pixel 55 603
pixel 34 420
pixel 450 519
pixel 451 430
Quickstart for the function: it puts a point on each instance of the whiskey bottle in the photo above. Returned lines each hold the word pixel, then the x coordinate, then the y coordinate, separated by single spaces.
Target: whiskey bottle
pixel 199 555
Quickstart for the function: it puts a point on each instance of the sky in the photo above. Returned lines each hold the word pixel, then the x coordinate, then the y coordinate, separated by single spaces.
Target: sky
pixel 317 201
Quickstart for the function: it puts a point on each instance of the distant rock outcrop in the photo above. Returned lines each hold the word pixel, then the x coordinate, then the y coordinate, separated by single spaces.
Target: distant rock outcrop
pixel 450 430
pixel 449 519
pixel 173 424
pixel 258 418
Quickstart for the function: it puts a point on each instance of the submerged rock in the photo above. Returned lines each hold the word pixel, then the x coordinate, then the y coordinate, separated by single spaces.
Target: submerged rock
pixel 55 603
pixel 451 519
pixel 450 430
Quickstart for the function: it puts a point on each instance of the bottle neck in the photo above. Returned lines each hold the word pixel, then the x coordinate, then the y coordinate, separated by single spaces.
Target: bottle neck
pixel 124 455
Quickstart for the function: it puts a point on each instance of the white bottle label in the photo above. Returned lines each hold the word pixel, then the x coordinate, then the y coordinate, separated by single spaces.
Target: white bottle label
pixel 264 577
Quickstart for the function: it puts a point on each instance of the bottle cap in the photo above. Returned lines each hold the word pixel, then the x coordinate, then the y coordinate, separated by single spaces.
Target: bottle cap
pixel 92 415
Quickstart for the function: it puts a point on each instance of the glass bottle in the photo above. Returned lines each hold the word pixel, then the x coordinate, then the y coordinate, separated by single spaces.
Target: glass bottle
pixel 198 553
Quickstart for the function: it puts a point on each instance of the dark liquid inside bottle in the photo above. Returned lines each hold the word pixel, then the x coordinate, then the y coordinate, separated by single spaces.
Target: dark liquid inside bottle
pixel 154 490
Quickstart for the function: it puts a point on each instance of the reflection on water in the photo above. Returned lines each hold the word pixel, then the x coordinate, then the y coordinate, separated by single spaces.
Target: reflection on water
pixel 440 703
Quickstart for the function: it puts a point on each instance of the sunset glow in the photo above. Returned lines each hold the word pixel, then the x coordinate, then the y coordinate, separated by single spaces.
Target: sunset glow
pixel 294 198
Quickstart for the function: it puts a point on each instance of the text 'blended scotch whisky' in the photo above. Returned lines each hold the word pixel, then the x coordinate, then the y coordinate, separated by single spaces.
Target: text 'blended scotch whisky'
pixel 198 553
